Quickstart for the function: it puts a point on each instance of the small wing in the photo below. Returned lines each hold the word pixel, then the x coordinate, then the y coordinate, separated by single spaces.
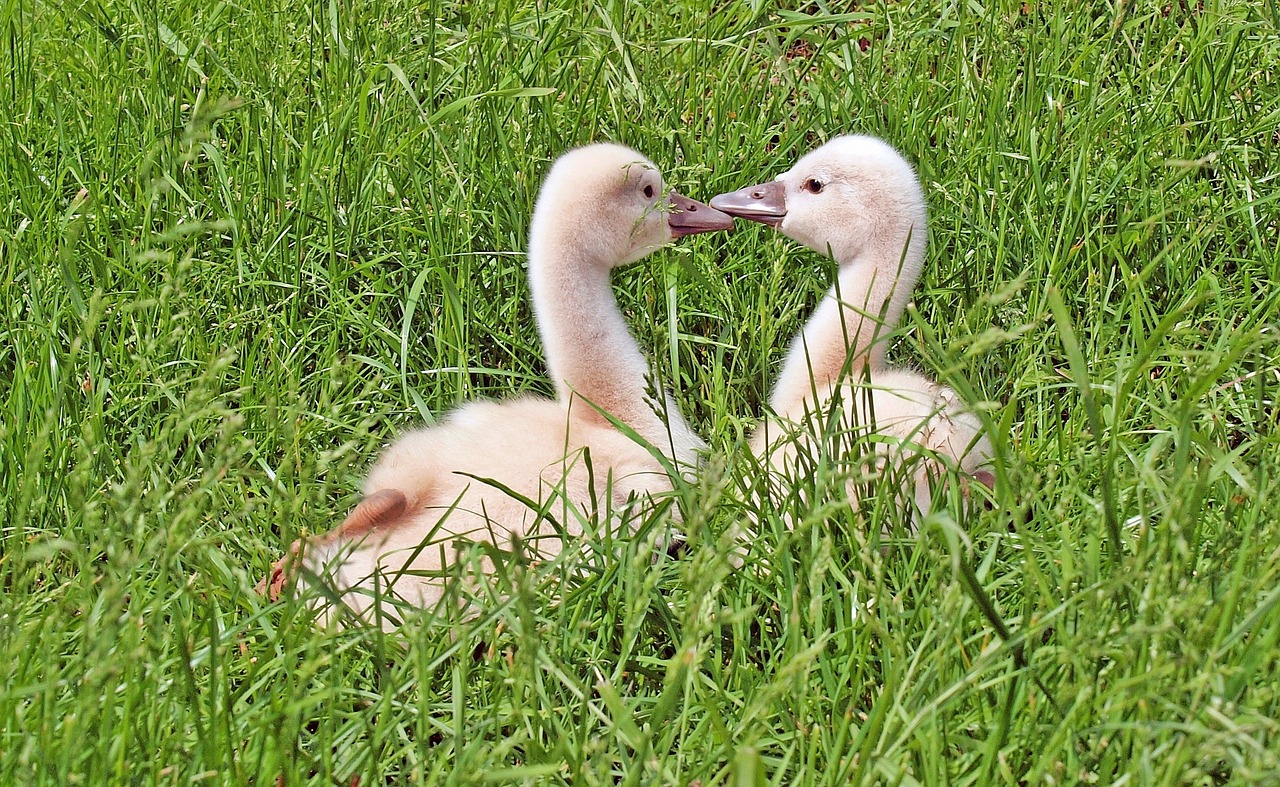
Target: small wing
pixel 380 509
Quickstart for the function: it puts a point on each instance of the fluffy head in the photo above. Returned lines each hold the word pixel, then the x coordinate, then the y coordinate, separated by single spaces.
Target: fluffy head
pixel 611 204
pixel 851 194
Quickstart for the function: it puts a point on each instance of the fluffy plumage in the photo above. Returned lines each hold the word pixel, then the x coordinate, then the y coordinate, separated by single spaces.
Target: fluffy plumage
pixel 856 199
pixel 473 475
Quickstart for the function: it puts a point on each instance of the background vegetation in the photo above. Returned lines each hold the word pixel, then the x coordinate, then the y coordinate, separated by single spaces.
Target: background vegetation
pixel 243 244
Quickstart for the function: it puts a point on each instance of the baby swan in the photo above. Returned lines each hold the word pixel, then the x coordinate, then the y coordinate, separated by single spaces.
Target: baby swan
pixel 856 199
pixel 474 475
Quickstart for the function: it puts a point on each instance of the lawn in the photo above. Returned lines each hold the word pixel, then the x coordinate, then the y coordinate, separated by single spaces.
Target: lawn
pixel 243 245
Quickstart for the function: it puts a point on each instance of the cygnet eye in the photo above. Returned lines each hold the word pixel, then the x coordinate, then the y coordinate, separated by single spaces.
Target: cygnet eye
pixel 813 186
pixel 648 192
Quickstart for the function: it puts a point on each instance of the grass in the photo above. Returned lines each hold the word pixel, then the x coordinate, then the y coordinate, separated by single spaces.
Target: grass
pixel 243 245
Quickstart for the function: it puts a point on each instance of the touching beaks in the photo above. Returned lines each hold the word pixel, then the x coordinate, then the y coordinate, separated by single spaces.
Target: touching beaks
pixel 763 202
pixel 690 217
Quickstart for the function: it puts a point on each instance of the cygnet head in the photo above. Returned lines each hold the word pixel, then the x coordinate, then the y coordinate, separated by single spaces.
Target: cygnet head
pixel 852 196
pixel 611 202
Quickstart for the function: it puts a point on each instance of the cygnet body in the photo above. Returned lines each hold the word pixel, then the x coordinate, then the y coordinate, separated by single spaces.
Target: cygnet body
pixel 533 468
pixel 857 200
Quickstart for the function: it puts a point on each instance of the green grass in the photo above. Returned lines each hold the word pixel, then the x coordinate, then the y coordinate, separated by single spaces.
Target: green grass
pixel 243 245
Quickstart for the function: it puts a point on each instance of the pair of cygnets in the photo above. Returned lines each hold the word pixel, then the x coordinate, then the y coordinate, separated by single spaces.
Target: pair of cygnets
pixel 543 469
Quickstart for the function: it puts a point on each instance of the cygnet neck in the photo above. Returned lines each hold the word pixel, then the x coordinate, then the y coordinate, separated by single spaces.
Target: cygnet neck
pixel 849 330
pixel 590 352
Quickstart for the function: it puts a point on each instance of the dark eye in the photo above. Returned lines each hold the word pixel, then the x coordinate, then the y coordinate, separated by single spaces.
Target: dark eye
pixel 648 192
pixel 813 186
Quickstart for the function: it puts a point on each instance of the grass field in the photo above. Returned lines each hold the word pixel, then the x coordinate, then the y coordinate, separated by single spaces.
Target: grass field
pixel 244 244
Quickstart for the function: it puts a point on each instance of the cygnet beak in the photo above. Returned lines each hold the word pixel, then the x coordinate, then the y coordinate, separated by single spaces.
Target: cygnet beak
pixel 763 202
pixel 690 217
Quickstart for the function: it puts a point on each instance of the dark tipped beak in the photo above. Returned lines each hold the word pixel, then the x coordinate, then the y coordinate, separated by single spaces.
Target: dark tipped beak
pixel 763 202
pixel 690 217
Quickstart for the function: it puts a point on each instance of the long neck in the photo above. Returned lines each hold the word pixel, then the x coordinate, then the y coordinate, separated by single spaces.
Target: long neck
pixel 849 330
pixel 590 353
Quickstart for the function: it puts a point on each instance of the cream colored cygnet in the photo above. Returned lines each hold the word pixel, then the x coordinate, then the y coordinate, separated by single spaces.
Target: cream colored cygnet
pixel 859 201
pixel 531 468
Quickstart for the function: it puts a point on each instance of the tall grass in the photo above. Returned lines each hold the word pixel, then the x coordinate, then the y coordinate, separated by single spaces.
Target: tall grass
pixel 243 245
